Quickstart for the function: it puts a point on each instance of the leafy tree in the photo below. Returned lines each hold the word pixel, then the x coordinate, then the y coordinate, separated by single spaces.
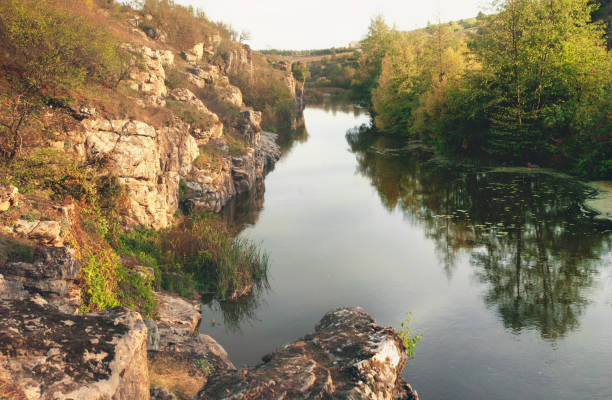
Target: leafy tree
pixel 547 67
pixel 374 47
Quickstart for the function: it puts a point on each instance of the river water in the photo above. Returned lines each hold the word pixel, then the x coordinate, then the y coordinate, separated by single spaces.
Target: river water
pixel 506 274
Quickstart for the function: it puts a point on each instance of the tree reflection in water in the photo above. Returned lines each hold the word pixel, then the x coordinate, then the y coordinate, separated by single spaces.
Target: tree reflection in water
pixel 531 240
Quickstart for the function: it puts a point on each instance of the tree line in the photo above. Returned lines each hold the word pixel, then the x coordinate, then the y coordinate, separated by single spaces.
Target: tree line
pixel 530 84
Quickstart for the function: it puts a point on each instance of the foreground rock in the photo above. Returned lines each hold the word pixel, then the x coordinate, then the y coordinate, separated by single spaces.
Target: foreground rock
pixel 347 357
pixel 177 334
pixel 46 354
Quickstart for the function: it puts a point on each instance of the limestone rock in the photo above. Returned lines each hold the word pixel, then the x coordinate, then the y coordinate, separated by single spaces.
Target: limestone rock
pixel 46 233
pixel 8 197
pixel 53 274
pixel 176 314
pixel 212 189
pixel 10 289
pixel 347 357
pixel 149 162
pixel 214 129
pixel 152 335
pixel 148 77
pixel 210 75
pixel 178 336
pixel 51 355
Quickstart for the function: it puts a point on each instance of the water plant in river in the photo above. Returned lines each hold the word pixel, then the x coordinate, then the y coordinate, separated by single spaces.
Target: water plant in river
pixel 409 341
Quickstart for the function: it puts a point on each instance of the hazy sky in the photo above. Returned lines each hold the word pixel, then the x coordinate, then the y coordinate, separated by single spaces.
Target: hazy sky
pixel 313 24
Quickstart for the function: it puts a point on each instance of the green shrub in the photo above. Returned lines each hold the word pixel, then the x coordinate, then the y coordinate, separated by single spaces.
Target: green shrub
pixel 409 342
pixel 50 46
pixel 99 282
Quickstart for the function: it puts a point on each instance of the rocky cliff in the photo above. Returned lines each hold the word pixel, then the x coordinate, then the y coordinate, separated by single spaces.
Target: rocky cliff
pixel 151 161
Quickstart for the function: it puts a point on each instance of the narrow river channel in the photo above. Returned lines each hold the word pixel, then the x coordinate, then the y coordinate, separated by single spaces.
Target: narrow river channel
pixel 506 274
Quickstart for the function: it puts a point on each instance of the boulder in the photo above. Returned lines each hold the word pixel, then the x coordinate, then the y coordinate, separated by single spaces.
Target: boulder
pixel 8 197
pixel 46 233
pixel 178 335
pixel 49 355
pixel 347 357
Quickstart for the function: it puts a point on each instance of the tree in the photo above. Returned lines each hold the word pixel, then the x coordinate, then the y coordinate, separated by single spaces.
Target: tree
pixel 15 115
pixel 378 42
pixel 546 64
pixel 245 36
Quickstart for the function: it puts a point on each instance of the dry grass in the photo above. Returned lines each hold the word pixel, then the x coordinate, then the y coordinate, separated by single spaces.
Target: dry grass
pixel 179 376
pixel 210 158
pixel 9 390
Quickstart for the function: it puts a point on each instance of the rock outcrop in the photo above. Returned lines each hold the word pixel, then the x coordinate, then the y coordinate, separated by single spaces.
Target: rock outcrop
pixel 148 77
pixel 211 188
pixel 8 197
pixel 46 354
pixel 347 357
pixel 177 335
pixel 214 128
pixel 149 162
pixel 296 88
pixel 52 275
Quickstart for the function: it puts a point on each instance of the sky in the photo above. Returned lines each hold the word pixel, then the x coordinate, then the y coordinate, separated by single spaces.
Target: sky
pixel 317 24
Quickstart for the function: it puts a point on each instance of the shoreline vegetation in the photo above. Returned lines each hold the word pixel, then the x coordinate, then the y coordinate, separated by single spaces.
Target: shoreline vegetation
pixel 528 85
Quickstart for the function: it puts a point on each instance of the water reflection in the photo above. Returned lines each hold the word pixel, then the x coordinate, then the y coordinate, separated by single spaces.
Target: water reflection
pixel 531 241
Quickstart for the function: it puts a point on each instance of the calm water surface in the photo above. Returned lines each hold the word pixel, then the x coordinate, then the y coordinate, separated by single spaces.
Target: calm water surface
pixel 507 275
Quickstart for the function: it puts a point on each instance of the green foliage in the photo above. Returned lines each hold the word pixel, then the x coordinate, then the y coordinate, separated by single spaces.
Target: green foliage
pixel 136 291
pixel 532 86
pixel 51 47
pixel 337 72
pixel 266 91
pixel 409 341
pixel 300 71
pixel 204 365
pixel 99 282
pixel 197 255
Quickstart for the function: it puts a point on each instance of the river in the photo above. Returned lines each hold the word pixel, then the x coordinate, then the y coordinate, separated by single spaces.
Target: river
pixel 506 274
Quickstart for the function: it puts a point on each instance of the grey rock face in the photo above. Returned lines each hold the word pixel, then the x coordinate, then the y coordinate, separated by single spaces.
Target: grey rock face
pixel 347 357
pixel 48 354
pixel 53 275
pixel 152 335
pixel 147 161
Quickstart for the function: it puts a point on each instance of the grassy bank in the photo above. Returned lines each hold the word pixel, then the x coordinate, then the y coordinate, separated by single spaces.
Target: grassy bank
pixel 198 256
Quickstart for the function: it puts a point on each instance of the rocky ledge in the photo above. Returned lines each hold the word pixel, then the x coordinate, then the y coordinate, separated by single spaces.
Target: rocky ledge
pixel 47 354
pixel 347 357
